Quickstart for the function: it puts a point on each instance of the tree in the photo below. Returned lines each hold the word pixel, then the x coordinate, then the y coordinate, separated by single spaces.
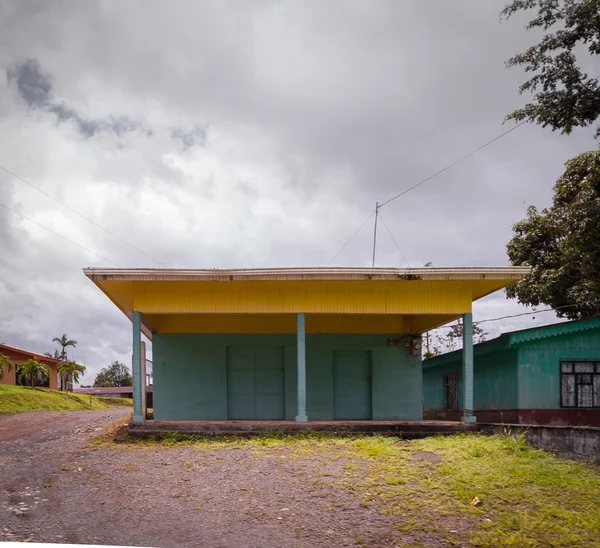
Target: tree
pixel 31 370
pixel 63 342
pixel 71 369
pixel 4 362
pixel 56 356
pixel 451 339
pixel 564 96
pixel 562 245
pixel 117 374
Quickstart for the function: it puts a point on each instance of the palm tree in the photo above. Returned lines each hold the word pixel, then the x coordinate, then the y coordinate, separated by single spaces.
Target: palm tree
pixel 63 342
pixel 4 362
pixel 56 354
pixel 71 369
pixel 33 369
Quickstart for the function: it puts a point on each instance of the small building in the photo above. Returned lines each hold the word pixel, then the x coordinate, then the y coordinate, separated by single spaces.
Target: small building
pixel 544 375
pixel 298 344
pixel 114 392
pixel 18 356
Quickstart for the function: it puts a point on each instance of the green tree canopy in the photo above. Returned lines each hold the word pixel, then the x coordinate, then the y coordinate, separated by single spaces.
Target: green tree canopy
pixel 4 362
pixel 562 244
pixel 63 342
pixel 30 370
pixel 116 374
pixel 564 95
pixel 73 369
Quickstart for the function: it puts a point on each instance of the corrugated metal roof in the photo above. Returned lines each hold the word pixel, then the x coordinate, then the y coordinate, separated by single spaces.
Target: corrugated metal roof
pixel 315 273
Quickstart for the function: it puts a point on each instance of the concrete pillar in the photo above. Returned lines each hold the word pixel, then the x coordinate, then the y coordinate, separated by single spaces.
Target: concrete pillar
pixel 468 368
pixel 143 378
pixel 138 413
pixel 301 342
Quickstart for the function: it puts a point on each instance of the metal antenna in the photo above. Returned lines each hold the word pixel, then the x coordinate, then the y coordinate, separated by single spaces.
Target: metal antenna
pixel 375 232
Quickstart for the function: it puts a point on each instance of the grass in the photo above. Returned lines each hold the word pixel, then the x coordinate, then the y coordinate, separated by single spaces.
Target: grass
pixel 118 402
pixel 528 497
pixel 16 399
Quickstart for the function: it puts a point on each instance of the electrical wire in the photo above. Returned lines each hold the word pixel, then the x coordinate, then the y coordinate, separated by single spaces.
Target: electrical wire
pixel 525 313
pixel 390 233
pixel 82 216
pixel 453 164
pixel 59 235
pixel 351 238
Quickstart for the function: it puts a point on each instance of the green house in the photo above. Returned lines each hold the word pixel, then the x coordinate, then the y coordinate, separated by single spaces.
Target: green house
pixel 544 375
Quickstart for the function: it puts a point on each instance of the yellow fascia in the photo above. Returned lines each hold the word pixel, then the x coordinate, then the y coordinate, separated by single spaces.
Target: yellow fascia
pixel 308 296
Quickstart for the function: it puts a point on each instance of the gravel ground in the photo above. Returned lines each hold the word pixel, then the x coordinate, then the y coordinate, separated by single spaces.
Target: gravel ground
pixel 56 486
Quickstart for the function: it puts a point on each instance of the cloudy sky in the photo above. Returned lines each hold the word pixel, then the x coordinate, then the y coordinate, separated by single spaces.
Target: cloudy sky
pixel 251 134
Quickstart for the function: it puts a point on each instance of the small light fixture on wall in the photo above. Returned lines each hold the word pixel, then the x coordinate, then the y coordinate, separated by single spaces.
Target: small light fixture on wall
pixel 393 342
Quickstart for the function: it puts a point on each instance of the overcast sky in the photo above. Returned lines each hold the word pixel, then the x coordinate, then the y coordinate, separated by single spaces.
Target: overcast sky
pixel 253 134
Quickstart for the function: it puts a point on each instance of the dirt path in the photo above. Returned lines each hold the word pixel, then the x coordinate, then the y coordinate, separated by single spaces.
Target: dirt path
pixel 56 486
pixel 33 448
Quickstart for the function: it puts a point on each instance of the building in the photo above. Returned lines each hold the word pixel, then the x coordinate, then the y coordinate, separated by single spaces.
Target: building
pixel 544 375
pixel 292 343
pixel 18 356
pixel 114 392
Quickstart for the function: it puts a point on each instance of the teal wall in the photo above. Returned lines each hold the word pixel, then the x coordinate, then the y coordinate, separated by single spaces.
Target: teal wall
pixel 190 375
pixel 539 375
pixel 495 386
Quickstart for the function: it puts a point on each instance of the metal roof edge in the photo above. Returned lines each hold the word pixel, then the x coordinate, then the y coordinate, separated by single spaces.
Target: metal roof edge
pixel 300 273
pixel 552 330
pixel 480 348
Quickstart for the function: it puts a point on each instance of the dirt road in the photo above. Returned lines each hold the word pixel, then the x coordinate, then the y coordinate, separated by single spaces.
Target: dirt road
pixel 56 486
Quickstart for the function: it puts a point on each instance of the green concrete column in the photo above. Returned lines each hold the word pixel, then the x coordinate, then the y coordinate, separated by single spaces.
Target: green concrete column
pixel 138 414
pixel 468 367
pixel 301 342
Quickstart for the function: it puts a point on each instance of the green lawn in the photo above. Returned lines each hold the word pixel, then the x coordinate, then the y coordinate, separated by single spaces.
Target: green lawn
pixel 118 402
pixel 15 399
pixel 528 497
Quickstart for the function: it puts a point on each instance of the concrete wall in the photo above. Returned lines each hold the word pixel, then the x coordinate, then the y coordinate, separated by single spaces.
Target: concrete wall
pixel 539 366
pixel 569 442
pixel 495 384
pixel 190 375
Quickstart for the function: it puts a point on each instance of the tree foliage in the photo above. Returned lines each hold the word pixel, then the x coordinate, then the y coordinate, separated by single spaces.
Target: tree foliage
pixel 63 342
pixel 450 338
pixel 4 363
pixel 71 369
pixel 116 374
pixel 564 95
pixel 32 370
pixel 562 244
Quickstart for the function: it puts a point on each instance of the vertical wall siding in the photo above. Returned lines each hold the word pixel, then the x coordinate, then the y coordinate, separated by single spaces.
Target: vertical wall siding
pixel 190 375
pixel 539 375
pixel 495 386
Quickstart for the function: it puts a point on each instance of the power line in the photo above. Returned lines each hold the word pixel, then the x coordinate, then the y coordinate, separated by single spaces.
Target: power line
pixel 81 215
pixel 351 238
pixel 525 313
pixel 453 164
pixel 59 235
pixel 390 233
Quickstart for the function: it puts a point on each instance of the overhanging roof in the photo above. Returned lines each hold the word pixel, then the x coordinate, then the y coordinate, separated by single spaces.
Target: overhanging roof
pixel 220 300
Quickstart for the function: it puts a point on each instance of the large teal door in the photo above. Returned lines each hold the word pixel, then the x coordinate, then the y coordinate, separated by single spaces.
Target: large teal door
pixel 255 383
pixel 352 384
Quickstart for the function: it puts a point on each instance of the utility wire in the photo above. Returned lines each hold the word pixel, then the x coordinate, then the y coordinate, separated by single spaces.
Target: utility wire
pixel 81 215
pixel 351 238
pixel 453 163
pixel 390 233
pixel 525 313
pixel 59 235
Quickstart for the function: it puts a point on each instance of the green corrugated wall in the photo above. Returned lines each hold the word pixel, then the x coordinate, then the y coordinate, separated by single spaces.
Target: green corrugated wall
pixel 190 375
pixel 495 385
pixel 539 375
